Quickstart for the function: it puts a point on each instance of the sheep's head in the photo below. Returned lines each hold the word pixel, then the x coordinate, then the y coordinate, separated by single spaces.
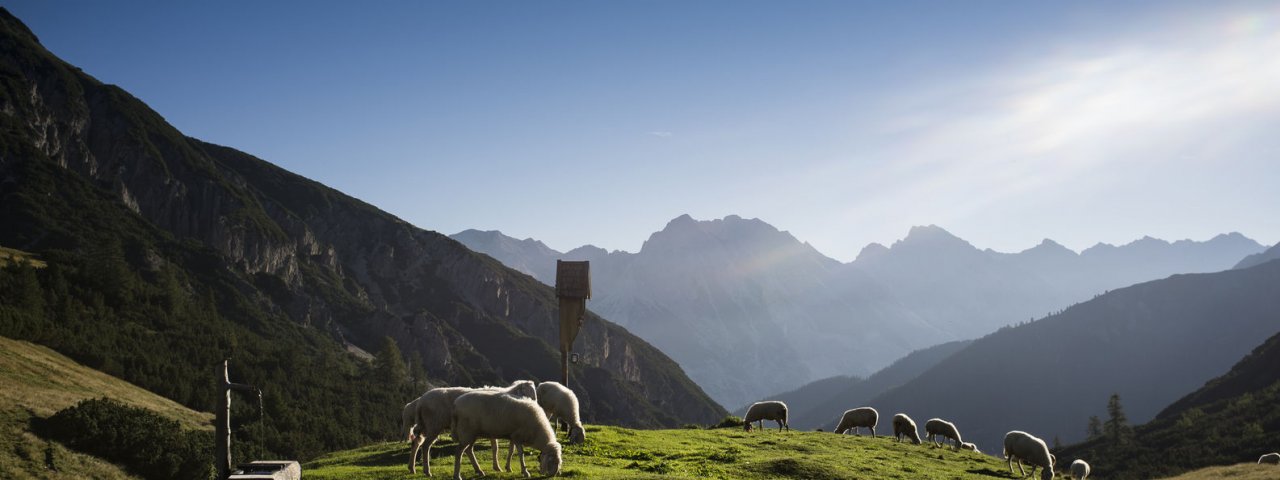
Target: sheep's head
pixel 577 435
pixel 549 460
pixel 524 388
pixel 747 426
pixel 915 437
pixel 1046 474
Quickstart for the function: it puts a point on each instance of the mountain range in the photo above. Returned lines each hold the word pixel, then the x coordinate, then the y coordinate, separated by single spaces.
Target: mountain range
pixel 1150 343
pixel 166 254
pixel 750 311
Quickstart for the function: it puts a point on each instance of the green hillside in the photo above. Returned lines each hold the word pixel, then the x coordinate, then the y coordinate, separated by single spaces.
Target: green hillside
pixel 1242 471
pixel 619 453
pixel 1232 419
pixel 38 382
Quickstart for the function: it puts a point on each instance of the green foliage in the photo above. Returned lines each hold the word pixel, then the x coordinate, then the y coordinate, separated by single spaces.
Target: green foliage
pixel 388 364
pixel 1116 428
pixel 729 421
pixel 145 443
pixel 1094 429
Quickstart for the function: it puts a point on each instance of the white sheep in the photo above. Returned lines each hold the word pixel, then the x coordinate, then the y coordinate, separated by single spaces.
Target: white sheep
pixel 489 414
pixel 937 427
pixel 863 417
pixel 1270 458
pixel 435 412
pixel 970 447
pixel 1021 446
pixel 560 404
pixel 1079 470
pixel 904 426
pixel 768 410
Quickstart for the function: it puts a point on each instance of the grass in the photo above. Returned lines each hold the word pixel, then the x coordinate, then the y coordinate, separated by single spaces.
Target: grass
pixel 1242 471
pixel 619 453
pixel 38 382
pixel 9 255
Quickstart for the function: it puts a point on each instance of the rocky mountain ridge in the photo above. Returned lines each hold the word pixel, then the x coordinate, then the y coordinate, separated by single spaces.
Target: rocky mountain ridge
pixel 749 310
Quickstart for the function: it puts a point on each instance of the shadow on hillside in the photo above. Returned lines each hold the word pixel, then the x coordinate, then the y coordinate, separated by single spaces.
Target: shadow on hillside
pixel 987 472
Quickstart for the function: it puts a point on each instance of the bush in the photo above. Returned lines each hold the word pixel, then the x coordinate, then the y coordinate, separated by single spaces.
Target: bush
pixel 138 439
pixel 729 422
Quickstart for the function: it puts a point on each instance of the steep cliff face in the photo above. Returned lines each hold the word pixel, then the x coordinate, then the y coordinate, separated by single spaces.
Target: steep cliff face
pixel 318 257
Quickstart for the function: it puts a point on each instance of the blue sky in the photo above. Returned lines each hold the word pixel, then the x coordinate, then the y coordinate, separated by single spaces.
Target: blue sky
pixel 842 122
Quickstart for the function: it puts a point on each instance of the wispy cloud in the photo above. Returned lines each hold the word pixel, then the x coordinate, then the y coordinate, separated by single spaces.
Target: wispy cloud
pixel 661 133
pixel 1027 127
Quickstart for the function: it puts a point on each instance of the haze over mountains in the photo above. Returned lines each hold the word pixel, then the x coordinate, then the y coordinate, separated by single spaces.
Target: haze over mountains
pixel 749 310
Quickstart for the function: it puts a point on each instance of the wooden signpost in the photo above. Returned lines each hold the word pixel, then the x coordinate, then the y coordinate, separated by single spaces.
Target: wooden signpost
pixel 573 287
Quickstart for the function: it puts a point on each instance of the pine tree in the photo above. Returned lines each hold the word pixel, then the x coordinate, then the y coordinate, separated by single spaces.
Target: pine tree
pixel 1095 427
pixel 417 374
pixel 1117 425
pixel 388 364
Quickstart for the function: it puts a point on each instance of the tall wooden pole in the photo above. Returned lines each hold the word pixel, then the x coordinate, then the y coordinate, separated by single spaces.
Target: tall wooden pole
pixel 222 419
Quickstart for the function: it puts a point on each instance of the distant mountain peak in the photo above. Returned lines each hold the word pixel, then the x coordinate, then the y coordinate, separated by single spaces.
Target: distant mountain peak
pixel 932 235
pixel 1048 246
pixel 871 251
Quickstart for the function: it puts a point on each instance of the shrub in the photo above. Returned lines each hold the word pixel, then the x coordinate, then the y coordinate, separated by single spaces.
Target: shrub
pixel 138 439
pixel 729 422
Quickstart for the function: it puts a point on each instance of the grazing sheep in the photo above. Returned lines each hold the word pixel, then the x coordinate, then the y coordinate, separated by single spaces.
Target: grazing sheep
pixel 1271 458
pixel 770 410
pixel 491 414
pixel 562 405
pixel 970 447
pixel 937 427
pixel 903 426
pixel 1023 446
pixel 435 411
pixel 864 417
pixel 1079 470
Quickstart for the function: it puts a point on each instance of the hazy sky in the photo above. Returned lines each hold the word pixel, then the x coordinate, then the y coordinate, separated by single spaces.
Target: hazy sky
pixel 843 122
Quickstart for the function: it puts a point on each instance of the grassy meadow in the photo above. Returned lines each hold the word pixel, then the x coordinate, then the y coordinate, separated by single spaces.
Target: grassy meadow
pixel 620 453
pixel 38 382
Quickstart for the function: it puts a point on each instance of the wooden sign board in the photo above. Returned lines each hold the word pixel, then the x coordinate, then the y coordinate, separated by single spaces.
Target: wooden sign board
pixel 573 279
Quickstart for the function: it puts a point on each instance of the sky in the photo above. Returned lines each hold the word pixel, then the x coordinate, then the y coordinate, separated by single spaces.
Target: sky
pixel 842 122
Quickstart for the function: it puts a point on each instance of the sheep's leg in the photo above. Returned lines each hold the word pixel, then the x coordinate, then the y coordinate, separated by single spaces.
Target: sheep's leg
pixel 457 460
pixel 471 453
pixel 873 431
pixel 426 456
pixel 779 425
pixel 415 443
pixel 523 469
pixel 511 449
pixel 493 445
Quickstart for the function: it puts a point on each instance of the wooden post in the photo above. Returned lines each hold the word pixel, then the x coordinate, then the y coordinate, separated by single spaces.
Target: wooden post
pixel 222 420
pixel 573 288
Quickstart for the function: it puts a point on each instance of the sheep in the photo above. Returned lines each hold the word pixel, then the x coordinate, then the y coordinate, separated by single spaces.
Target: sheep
pixel 491 414
pixel 864 417
pixel 1052 461
pixel 559 402
pixel 1079 470
pixel 970 447
pixel 435 410
pixel 903 426
pixel 937 427
pixel 1023 446
pixel 1270 458
pixel 769 410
